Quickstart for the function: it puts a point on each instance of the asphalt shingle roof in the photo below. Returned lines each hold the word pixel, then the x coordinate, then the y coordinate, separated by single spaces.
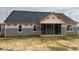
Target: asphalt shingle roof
pixel 33 16
pixel 66 18
pixel 26 16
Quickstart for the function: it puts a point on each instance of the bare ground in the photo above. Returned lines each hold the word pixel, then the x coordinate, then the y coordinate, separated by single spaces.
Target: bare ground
pixel 64 43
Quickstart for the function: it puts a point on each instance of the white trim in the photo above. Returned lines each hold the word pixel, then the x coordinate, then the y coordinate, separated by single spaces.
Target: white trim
pixel 70 31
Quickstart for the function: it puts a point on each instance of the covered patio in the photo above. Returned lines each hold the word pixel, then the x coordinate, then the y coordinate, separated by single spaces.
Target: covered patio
pixel 51 29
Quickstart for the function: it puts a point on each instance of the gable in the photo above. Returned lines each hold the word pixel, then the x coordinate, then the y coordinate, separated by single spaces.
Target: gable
pixel 51 19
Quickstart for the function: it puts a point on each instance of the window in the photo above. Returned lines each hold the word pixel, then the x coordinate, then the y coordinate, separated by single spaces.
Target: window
pixel 69 28
pixel 34 28
pixel 20 28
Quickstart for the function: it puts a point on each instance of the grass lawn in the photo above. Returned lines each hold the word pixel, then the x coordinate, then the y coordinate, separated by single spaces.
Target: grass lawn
pixel 63 43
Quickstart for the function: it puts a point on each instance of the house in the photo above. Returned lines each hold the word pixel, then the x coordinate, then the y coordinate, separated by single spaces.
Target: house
pixel 27 23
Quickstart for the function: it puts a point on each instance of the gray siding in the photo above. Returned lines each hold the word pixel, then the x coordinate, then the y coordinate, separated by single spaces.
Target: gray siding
pixel 29 31
pixel 63 30
pixel 2 32
pixel 74 32
pixel 25 31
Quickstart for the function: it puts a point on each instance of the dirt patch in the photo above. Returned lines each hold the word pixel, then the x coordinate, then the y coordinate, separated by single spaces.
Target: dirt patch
pixel 39 43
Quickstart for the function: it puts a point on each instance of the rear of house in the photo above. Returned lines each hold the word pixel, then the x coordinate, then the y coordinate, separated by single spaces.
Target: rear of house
pixel 27 23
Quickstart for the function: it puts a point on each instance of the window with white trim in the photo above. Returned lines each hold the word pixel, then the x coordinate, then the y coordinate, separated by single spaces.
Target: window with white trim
pixel 35 28
pixel 69 28
pixel 20 28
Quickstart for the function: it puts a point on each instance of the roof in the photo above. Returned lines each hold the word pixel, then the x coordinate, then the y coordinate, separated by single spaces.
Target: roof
pixel 26 16
pixel 65 18
pixel 34 16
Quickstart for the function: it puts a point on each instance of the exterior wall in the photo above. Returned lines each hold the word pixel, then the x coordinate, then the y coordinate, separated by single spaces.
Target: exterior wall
pixel 52 19
pixel 74 30
pixel 2 30
pixel 27 30
pixel 66 32
pixel 63 29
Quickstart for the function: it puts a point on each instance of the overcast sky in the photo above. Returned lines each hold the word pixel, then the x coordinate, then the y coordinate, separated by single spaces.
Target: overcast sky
pixel 72 12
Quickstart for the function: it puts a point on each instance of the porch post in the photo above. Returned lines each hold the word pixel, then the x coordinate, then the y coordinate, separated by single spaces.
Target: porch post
pixel 40 30
pixel 53 30
pixel 62 29
pixel 46 29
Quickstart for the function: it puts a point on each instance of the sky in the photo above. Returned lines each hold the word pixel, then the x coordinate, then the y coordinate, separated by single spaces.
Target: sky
pixel 72 12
